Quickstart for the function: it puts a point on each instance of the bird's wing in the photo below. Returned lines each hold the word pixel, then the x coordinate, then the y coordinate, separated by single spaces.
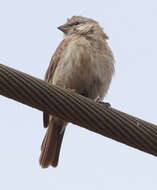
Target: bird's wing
pixel 51 70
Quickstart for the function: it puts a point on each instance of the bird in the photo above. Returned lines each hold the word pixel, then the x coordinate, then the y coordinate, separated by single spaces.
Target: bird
pixel 83 62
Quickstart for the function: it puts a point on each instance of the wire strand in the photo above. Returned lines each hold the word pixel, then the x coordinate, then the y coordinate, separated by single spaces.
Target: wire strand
pixel 79 110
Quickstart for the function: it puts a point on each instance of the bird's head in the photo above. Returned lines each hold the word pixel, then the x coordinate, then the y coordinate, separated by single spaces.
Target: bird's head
pixel 82 26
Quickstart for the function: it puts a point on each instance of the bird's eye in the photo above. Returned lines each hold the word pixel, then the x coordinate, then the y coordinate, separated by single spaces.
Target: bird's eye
pixel 76 23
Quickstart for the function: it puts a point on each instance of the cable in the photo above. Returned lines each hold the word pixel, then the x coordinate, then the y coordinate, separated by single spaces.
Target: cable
pixel 79 110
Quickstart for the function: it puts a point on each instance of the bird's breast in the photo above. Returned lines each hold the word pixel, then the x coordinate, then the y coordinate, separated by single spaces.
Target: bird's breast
pixel 85 70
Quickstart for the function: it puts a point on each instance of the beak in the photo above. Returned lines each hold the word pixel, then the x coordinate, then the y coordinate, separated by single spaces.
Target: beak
pixel 64 28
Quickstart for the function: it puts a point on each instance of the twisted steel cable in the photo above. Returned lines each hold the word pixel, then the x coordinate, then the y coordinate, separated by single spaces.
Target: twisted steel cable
pixel 79 110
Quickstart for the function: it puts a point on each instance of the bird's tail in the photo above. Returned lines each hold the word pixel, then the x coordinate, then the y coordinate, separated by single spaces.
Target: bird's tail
pixel 51 144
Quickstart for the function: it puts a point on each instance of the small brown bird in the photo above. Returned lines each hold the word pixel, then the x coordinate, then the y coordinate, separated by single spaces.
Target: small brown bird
pixel 83 62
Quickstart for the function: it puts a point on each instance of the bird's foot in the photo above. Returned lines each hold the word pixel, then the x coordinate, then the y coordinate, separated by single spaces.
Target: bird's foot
pixel 106 104
pixel 73 91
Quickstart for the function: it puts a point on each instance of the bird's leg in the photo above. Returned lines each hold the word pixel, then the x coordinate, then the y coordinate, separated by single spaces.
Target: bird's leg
pixel 70 90
pixel 106 104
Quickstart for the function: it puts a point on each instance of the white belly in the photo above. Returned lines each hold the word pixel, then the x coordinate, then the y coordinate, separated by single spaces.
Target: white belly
pixel 92 82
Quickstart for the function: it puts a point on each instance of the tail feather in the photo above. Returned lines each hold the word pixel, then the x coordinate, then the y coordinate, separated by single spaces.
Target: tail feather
pixel 55 158
pixel 51 145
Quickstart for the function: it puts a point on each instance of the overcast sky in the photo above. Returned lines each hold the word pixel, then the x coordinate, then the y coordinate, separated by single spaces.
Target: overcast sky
pixel 28 38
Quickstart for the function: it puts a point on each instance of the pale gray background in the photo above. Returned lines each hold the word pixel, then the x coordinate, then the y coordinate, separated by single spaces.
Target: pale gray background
pixel 28 38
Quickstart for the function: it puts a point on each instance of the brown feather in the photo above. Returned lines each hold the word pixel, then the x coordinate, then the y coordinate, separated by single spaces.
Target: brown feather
pixel 51 145
pixel 83 62
pixel 50 72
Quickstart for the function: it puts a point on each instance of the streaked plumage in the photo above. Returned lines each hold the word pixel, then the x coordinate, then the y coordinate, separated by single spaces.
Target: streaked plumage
pixel 84 62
